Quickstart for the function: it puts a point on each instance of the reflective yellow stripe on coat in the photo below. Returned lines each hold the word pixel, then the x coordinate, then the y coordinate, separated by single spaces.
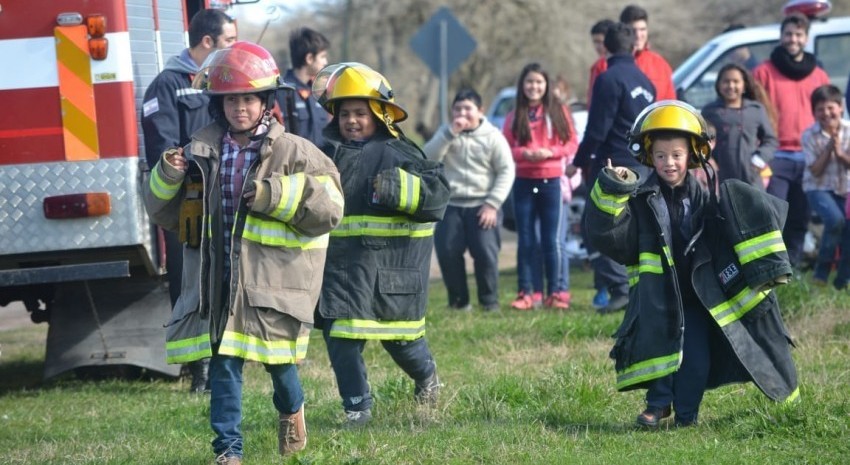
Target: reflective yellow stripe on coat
pixel 188 350
pixel 160 188
pixel 291 189
pixel 648 262
pixel 276 234
pixel 378 330
pixel 259 350
pixel 759 246
pixel 382 226
pixel 733 309
pixel 647 370
pixel 408 198
pixel 611 204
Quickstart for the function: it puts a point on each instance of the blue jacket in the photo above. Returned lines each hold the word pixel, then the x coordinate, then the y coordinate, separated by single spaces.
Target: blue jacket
pixel 619 95
pixel 172 110
pixel 312 118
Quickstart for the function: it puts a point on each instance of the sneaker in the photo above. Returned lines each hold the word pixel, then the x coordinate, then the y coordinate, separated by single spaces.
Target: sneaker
pixel 559 300
pixel 527 302
pixel 461 308
pixel 426 391
pixel 615 304
pixel 600 299
pixel 651 416
pixel 292 432
pixel 492 307
pixel 357 418
pixel 228 460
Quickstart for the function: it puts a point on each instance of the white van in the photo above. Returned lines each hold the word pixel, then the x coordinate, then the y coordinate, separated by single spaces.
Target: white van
pixel 829 41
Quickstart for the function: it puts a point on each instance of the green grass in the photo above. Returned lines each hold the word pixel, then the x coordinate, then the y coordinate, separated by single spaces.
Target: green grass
pixel 520 388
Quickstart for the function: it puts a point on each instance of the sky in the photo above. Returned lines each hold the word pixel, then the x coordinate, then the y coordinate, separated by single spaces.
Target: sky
pixel 263 10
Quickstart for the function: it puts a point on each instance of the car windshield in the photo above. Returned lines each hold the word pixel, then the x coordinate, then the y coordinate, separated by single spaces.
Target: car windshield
pixel 687 68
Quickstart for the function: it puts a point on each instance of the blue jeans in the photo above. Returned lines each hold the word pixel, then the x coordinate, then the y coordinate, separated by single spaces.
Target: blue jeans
pixel 346 355
pixel 226 399
pixel 787 184
pixel 830 208
pixel 564 271
pixel 457 232
pixel 686 387
pixel 538 200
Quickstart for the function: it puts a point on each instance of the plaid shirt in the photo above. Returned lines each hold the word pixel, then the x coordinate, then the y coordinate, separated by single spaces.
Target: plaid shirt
pixel 230 154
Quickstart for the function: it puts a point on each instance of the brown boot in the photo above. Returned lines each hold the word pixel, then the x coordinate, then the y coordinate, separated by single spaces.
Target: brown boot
pixel 292 432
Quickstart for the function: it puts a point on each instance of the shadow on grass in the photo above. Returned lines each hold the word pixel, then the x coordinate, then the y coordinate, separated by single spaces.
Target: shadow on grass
pixel 20 375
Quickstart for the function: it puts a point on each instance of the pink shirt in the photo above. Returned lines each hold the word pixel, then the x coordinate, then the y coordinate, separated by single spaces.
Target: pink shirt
pixel 543 135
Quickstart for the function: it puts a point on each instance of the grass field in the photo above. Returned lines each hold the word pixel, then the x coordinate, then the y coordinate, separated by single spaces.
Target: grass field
pixel 519 388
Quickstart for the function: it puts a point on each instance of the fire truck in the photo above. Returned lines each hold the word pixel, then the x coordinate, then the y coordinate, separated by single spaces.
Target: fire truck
pixel 76 245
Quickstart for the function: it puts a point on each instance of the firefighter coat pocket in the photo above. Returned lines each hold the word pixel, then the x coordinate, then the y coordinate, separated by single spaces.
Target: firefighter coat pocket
pixel 270 302
pixel 400 291
pixel 399 281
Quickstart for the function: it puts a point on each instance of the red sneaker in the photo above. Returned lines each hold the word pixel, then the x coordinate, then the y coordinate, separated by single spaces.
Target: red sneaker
pixel 559 300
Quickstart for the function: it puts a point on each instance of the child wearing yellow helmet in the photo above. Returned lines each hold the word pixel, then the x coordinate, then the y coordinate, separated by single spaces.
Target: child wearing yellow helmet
pixel 376 278
pixel 687 326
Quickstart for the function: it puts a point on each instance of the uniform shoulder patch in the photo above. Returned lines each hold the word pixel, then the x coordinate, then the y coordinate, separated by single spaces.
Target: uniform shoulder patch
pixel 150 107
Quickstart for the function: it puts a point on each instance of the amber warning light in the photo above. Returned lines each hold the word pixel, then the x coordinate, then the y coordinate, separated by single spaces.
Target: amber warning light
pixel 60 207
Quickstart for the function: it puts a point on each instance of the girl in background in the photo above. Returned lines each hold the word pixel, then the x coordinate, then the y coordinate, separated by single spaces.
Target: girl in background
pixel 541 134
pixel 746 138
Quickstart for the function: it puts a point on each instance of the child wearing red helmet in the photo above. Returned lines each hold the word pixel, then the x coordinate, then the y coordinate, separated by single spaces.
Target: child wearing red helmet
pixel 254 206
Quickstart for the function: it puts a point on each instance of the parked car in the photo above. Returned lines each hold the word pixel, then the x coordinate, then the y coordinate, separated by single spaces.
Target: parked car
pixel 829 41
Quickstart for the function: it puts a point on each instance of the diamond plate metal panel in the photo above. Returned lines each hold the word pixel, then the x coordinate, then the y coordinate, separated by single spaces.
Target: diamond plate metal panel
pixel 24 229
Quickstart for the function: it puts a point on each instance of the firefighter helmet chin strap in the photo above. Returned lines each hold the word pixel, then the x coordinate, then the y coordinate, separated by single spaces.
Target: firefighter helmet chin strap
pixel 711 180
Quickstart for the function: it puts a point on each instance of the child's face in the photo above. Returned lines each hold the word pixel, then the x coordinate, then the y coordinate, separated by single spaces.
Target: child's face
pixel 355 120
pixel 670 159
pixel 732 86
pixel 534 87
pixel 243 111
pixel 828 115
pixel 468 110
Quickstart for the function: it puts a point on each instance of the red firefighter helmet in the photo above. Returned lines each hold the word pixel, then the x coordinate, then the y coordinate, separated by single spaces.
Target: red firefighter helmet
pixel 243 68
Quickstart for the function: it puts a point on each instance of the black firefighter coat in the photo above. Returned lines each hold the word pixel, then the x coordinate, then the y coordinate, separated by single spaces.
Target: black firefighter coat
pixel 376 275
pixel 629 222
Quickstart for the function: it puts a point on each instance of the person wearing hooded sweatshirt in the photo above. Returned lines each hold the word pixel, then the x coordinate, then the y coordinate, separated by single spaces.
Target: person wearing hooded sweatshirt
pixel 790 76
pixel 480 171
pixel 171 113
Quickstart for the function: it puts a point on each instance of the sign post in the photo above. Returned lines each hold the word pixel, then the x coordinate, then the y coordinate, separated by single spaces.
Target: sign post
pixel 431 44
